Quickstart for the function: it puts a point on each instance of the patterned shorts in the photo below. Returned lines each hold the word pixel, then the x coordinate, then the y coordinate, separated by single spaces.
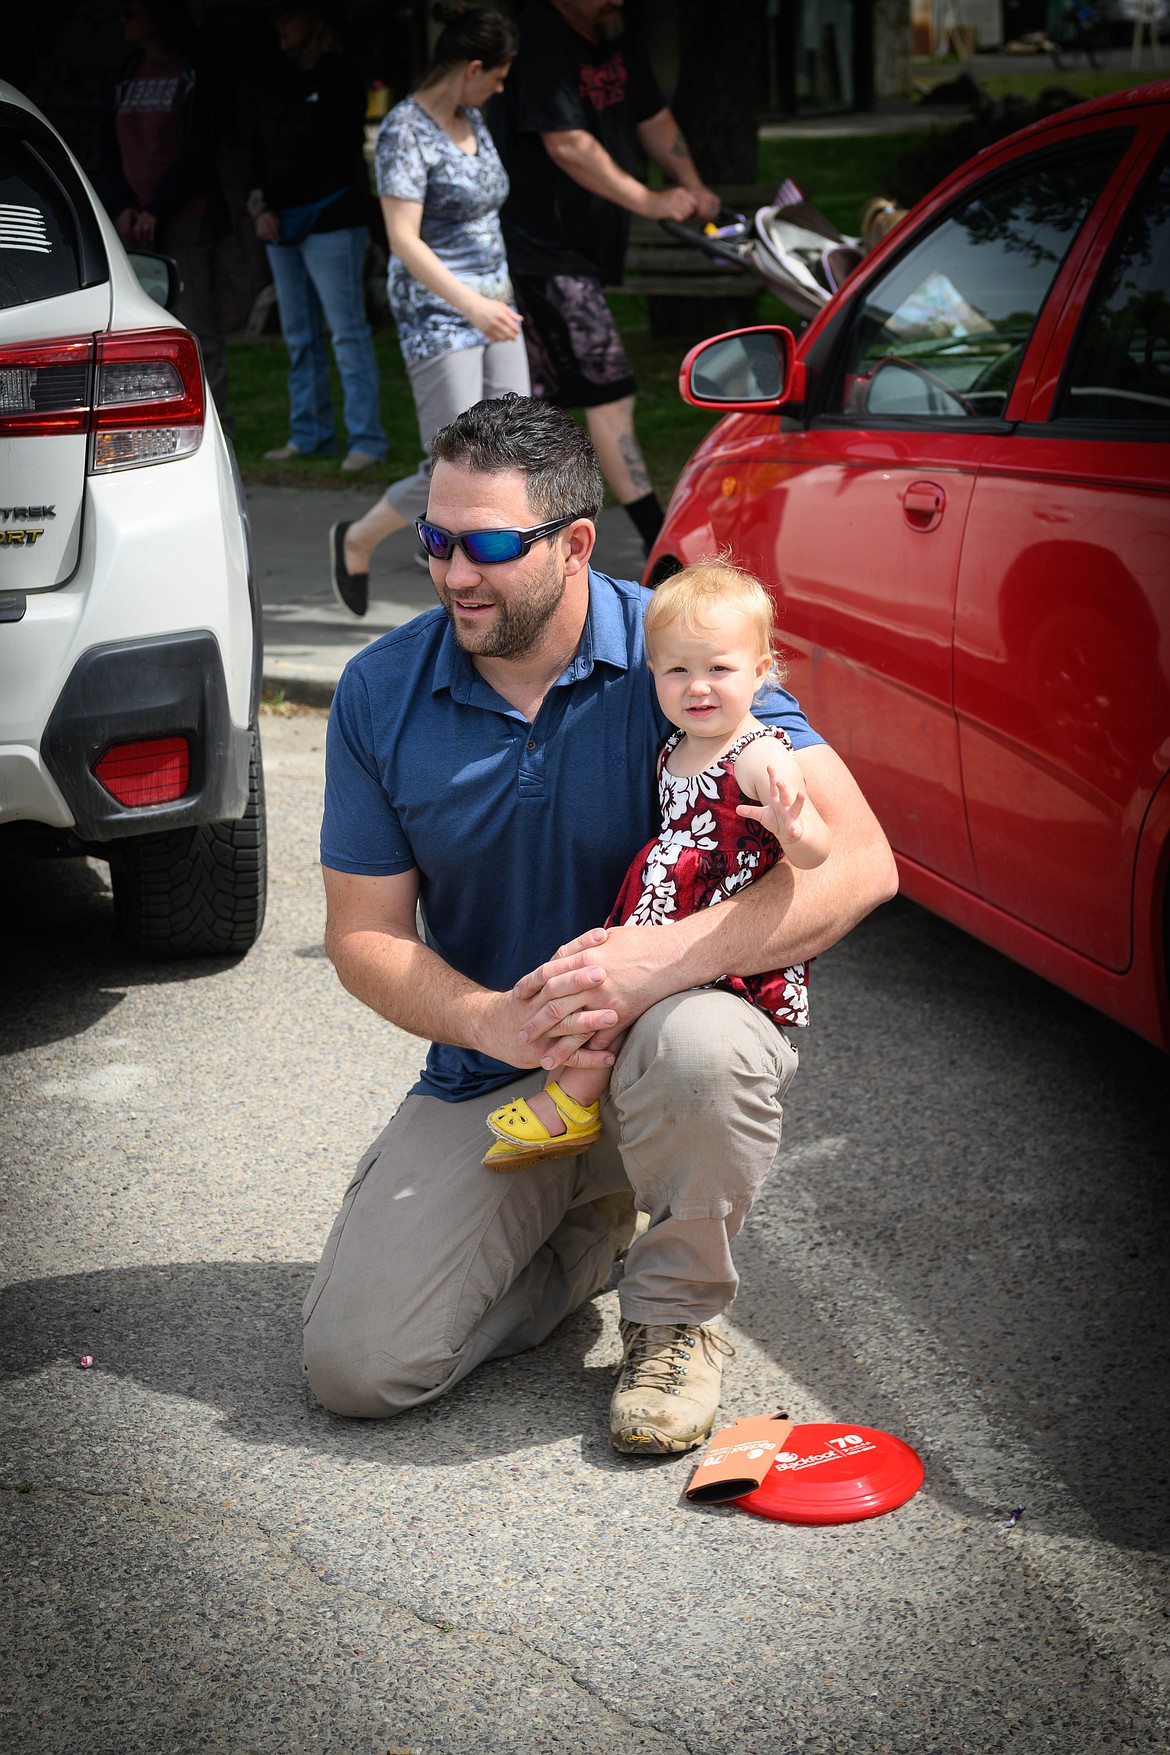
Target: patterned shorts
pixel 575 354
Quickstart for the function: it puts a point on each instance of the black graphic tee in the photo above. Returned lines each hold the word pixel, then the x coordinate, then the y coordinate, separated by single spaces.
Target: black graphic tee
pixel 559 81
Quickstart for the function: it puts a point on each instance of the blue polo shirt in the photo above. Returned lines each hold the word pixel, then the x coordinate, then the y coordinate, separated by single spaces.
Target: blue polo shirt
pixel 521 833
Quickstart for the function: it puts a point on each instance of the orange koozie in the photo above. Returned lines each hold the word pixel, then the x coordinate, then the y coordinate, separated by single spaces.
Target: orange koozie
pixel 737 1459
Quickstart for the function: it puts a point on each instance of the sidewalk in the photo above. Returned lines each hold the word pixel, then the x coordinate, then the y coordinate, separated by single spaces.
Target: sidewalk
pixel 308 637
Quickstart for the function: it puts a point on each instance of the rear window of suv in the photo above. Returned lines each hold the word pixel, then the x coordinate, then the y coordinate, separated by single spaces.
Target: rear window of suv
pixel 49 241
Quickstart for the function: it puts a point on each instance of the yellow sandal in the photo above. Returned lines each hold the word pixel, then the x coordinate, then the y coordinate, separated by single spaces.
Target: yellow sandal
pixel 523 1139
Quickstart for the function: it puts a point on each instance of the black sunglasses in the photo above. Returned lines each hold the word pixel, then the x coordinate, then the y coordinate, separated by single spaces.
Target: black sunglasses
pixel 486 548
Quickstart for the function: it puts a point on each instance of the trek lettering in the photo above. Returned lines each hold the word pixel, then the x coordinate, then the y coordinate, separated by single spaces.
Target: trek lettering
pixel 9 513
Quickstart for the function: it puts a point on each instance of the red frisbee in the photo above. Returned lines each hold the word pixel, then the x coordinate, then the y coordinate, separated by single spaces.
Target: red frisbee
pixel 836 1474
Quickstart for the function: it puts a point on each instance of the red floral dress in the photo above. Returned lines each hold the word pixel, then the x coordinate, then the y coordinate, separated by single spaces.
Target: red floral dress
pixel 704 853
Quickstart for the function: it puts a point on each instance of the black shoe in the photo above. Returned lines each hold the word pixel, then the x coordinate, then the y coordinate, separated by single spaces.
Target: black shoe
pixel 352 590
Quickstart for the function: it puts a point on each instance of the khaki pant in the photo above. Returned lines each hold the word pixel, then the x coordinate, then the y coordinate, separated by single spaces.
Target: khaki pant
pixel 435 1264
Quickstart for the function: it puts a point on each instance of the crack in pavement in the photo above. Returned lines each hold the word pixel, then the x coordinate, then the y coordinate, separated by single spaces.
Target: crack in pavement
pixel 509 1659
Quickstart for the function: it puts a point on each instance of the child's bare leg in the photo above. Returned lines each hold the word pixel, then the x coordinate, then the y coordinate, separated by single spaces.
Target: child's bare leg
pixel 561 1120
pixel 584 1084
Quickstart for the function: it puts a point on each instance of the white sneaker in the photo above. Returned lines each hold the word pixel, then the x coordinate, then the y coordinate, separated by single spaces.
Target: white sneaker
pixel 354 462
pixel 284 453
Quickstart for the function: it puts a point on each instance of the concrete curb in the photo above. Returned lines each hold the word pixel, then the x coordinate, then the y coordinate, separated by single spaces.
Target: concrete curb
pixel 302 691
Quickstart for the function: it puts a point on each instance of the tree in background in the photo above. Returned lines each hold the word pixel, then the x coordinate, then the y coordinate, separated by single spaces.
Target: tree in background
pixel 720 88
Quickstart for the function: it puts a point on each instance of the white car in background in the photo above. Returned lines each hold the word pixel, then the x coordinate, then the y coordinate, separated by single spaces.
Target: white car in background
pixel 130 632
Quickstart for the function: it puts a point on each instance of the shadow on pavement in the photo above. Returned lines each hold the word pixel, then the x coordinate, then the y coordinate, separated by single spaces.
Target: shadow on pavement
pixel 167 1329
pixel 965 1235
pixel 64 965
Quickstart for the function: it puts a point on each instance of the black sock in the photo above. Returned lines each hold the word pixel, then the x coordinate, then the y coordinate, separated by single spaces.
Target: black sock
pixel 646 515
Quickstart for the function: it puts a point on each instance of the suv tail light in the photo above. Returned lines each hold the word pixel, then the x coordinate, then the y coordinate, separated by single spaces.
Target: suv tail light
pixel 148 398
pixel 46 388
pixel 139 395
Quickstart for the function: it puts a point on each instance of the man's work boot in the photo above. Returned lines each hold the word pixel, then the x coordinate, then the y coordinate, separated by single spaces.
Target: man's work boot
pixel 668 1391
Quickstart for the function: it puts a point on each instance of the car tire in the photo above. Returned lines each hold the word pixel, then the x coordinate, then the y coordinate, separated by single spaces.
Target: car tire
pixel 196 892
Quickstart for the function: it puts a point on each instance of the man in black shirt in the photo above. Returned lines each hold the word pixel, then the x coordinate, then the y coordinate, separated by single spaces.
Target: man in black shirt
pixel 580 100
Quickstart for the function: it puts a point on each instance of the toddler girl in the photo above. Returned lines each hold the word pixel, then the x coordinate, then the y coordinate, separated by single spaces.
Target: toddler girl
pixel 733 803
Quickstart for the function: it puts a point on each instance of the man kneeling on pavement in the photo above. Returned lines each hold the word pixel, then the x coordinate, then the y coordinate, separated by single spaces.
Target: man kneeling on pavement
pixel 489 777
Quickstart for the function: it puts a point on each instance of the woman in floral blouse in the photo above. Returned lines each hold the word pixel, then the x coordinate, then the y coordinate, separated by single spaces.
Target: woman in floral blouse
pixel 442 185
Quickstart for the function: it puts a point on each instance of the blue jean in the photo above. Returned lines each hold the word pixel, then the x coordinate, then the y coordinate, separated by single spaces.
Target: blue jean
pixel 323 276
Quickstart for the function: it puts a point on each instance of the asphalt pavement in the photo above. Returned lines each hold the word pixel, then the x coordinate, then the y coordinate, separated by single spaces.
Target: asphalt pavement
pixel 964 1243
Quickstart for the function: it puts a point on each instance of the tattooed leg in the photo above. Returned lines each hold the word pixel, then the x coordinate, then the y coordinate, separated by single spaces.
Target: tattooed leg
pixel 611 427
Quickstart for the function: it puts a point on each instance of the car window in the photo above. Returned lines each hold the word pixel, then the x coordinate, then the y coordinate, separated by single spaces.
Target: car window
pixel 40 257
pixel 940 335
pixel 1119 368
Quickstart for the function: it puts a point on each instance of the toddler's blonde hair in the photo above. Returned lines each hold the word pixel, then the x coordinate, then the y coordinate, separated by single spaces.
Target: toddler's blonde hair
pixel 697 595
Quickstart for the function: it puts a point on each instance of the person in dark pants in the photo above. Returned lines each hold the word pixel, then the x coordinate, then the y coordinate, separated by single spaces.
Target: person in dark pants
pixel 311 207
pixel 158 160
pixel 582 99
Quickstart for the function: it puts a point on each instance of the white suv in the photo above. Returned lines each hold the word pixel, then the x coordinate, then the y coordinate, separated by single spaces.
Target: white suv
pixel 130 634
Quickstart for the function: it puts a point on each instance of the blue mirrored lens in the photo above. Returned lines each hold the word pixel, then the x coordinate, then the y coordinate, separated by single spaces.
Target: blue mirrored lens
pixel 486 547
pixel 433 541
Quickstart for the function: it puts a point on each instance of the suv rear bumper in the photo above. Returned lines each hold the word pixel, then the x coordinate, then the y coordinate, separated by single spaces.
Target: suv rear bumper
pixel 134 690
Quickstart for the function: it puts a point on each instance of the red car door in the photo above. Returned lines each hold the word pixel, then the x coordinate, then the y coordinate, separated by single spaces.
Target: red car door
pixel 1062 667
pixel 864 554
pixel 860 518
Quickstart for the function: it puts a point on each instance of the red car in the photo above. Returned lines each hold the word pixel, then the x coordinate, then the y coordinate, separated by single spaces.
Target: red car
pixel 957 486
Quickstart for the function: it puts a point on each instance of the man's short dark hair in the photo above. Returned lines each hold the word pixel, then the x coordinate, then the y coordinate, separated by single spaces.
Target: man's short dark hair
pixel 536 438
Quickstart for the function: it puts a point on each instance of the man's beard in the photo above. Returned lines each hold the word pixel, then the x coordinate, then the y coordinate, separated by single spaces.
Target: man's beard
pixel 519 625
pixel 611 28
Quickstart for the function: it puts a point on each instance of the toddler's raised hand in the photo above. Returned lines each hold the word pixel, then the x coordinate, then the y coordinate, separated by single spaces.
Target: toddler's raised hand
pixel 782 813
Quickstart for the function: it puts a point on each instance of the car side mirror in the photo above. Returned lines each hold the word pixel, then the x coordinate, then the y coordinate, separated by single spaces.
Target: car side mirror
pixel 158 276
pixel 743 371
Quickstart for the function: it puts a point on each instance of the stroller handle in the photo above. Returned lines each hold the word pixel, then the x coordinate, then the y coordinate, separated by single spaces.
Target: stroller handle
pixel 726 250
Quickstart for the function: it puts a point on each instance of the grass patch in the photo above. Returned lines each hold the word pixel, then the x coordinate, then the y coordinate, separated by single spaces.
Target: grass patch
pixel 258 393
pixel 1041 76
pixel 668 428
pixel 838 174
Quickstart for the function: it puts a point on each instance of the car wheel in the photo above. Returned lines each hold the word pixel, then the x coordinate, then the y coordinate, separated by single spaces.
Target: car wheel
pixel 196 892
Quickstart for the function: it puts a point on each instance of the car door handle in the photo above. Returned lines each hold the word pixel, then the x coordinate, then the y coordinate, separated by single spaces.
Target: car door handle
pixel 923 505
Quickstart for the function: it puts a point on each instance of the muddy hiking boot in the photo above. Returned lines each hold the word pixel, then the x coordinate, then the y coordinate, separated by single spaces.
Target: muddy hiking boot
pixel 668 1388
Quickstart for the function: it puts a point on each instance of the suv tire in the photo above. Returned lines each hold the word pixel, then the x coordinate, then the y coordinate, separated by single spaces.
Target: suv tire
pixel 196 892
